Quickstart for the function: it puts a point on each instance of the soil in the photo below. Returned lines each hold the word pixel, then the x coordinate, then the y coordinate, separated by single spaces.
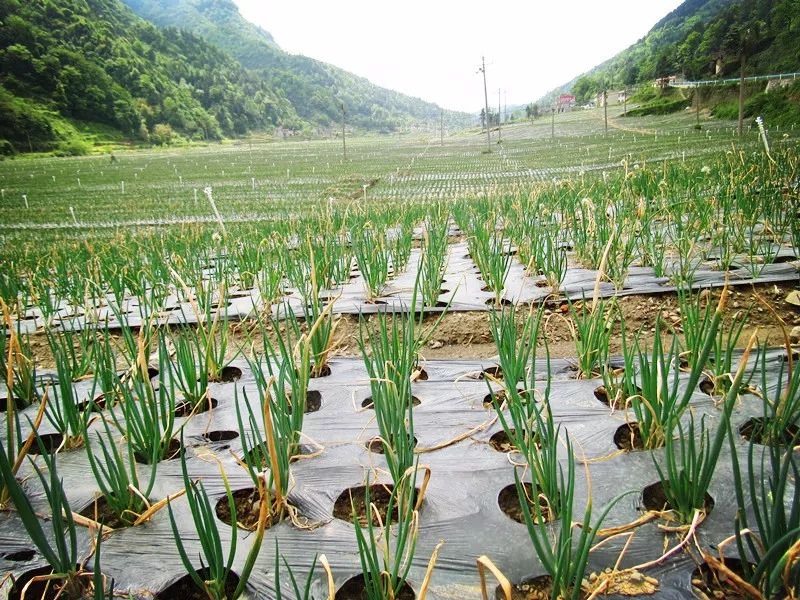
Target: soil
pixel 467 334
pixel 352 499
pixel 508 501
pixel 537 588
pixel 628 437
pixel 186 589
pixel 653 498
pixel 756 430
pixel 354 589
pixel 101 512
pixel 712 585
pixel 247 504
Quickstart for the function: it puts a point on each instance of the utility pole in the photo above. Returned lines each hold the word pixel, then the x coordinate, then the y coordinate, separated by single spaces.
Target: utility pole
pixel 441 126
pixel 605 108
pixel 499 118
pixel 344 142
pixel 486 104
pixel 553 123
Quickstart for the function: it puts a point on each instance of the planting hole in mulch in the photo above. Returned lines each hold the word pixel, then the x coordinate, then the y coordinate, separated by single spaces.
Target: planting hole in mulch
pixel 50 441
pixel 786 258
pixel 220 435
pixel 759 431
pixel 184 409
pixel 501 442
pixel 628 437
pixel 152 372
pixel 376 445
pixel 535 588
pixel 98 405
pixel 422 374
pixel 710 583
pixel 353 499
pixel 99 510
pixel 18 404
pixel 367 402
pixel 508 501
pixel 620 402
pixel 495 372
pixel 502 302
pixel 41 589
pixel 19 556
pixel 355 589
pixel 173 452
pixel 248 504
pixel 229 374
pixel 324 372
pixel 500 397
pixel 653 498
pixel 313 401
pixel 186 589
pixel 706 386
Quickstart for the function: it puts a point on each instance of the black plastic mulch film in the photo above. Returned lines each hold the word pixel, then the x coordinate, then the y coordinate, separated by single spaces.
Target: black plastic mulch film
pixel 462 288
pixel 460 507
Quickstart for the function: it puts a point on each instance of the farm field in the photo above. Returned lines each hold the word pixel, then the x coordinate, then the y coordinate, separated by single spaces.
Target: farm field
pixel 565 368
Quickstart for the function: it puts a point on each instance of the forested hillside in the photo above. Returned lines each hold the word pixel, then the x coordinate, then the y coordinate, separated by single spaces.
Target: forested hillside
pixel 702 39
pixel 316 89
pixel 72 66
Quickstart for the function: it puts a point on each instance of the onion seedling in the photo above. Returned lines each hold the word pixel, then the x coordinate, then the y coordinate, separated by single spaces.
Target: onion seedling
pixel 390 364
pixel 564 554
pixel 432 261
pixel 372 254
pixel 149 414
pixel 781 403
pixel 61 554
pixel 216 565
pixel 386 552
pixel 691 454
pixel 117 477
pixel 591 330
pixel 514 347
pixel 768 562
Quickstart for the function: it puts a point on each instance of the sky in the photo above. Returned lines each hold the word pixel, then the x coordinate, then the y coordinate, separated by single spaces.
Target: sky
pixel 432 49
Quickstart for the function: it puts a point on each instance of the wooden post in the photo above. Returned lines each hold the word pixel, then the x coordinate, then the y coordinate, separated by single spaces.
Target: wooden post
pixel 344 141
pixel 486 104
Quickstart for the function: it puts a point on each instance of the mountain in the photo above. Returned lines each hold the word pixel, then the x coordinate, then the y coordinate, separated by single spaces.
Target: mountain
pixel 75 69
pixel 66 63
pixel 315 89
pixel 703 39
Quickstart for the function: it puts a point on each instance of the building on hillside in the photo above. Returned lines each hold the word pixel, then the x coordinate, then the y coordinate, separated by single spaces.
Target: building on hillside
pixel 669 80
pixel 622 96
pixel 565 103
pixel 600 99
